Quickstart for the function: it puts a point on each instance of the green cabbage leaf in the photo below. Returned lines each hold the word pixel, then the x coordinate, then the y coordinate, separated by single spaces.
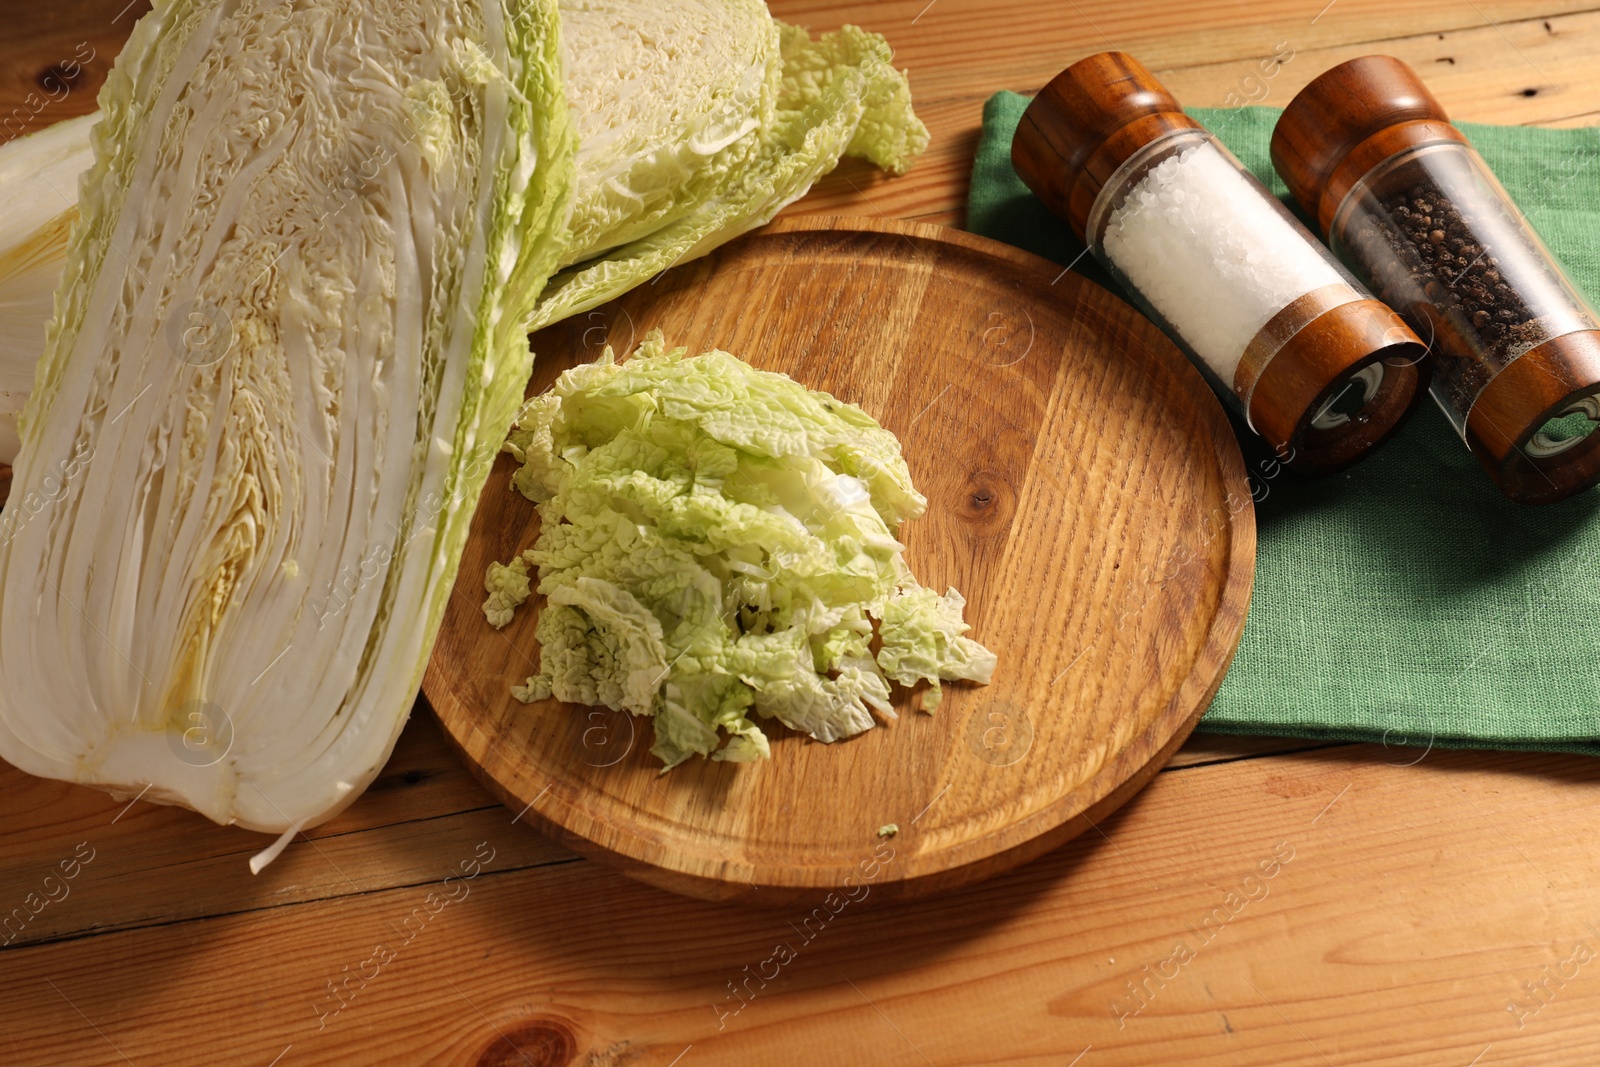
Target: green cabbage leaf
pixel 837 96
pixel 716 543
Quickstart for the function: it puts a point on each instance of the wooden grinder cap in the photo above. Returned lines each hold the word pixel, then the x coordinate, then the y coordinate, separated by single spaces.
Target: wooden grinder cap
pixel 1544 383
pixel 1347 121
pixel 1084 125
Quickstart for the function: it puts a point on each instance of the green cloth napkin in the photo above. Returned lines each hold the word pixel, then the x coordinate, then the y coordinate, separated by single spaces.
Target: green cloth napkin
pixel 1404 601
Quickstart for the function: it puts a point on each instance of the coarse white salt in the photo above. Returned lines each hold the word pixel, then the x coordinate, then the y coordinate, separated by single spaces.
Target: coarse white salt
pixel 1212 253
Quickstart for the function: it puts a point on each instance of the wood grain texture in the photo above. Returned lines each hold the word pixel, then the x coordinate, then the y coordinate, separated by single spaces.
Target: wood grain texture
pixel 54 58
pixel 1403 912
pixel 1529 67
pixel 1439 893
pixel 144 852
pixel 1084 492
pixel 403 833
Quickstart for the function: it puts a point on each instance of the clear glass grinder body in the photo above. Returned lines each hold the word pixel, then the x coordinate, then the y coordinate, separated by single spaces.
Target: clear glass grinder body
pixel 1444 245
pixel 1214 258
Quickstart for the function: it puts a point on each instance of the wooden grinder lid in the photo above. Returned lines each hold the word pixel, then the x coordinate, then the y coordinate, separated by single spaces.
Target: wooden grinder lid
pixel 1347 121
pixel 1084 125
pixel 1362 345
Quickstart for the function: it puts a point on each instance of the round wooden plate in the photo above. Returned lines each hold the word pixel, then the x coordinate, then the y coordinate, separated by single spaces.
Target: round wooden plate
pixel 1085 493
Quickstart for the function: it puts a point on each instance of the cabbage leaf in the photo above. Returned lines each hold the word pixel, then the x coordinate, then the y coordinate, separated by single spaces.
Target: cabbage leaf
pixel 839 95
pixel 715 541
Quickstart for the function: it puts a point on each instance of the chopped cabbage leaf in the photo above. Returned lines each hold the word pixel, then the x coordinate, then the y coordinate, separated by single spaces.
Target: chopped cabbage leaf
pixel 923 640
pixel 717 540
pixel 507 585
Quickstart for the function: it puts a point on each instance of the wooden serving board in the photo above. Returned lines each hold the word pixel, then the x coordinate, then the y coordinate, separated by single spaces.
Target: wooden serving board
pixel 1085 493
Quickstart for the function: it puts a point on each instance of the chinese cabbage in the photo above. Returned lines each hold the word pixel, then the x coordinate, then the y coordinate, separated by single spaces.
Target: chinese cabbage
pixel 288 342
pixel 717 540
pixel 291 333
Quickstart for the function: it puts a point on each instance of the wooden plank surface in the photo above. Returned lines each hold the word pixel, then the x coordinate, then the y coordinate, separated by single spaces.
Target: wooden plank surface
pixel 1480 71
pixel 1310 909
pixel 1435 913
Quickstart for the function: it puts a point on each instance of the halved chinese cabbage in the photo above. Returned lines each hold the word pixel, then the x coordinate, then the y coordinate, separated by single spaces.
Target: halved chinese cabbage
pixel 271 508
pixel 667 99
pixel 840 95
pixel 697 122
pixel 289 341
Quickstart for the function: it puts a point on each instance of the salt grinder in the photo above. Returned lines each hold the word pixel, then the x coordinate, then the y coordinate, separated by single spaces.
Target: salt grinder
pixel 1409 204
pixel 1315 365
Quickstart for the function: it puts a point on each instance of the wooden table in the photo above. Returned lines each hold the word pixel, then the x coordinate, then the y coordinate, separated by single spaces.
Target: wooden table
pixel 1425 908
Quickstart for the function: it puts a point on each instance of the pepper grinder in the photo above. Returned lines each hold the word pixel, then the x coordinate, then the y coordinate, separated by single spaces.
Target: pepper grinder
pixel 1314 364
pixel 1409 204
